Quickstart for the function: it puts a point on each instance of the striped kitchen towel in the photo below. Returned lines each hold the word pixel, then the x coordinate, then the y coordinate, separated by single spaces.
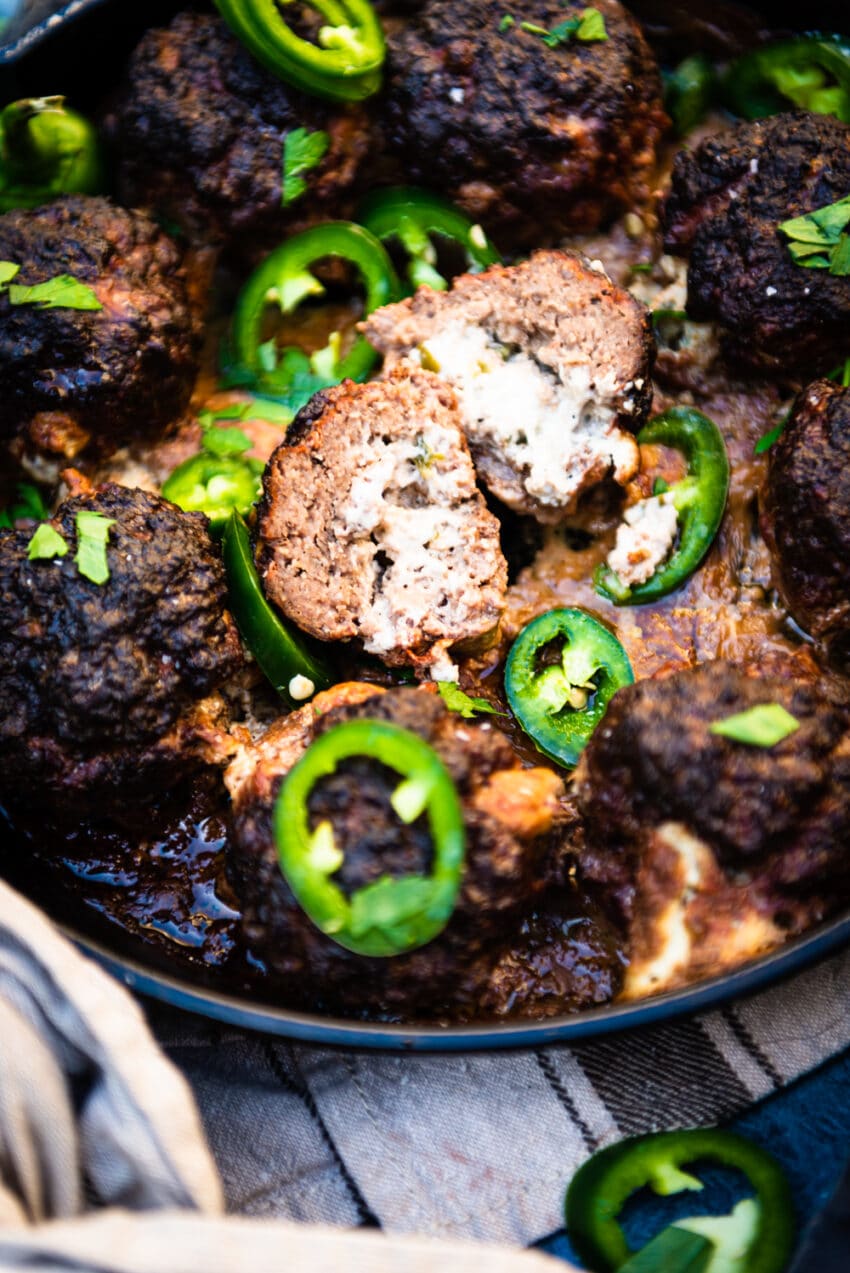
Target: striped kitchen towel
pixel 481 1145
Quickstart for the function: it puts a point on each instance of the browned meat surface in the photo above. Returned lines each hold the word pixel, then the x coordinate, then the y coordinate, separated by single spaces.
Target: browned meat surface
pixel 508 863
pixel 372 529
pixel 728 198
pixel 77 382
pixel 200 129
pixel 806 514
pixel 112 687
pixel 551 362
pixel 533 141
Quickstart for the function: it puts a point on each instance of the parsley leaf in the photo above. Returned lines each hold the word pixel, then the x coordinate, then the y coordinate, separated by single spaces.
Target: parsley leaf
pixel 820 239
pixel 92 536
pixel 456 701
pixel 46 543
pixel 762 726
pixel 29 505
pixel 62 292
pixel 220 441
pixel 506 23
pixel 8 270
pixel 587 27
pixel 302 150
pixel 591 27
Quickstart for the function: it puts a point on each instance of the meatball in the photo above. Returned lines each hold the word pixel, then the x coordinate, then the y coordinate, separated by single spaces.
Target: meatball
pixel 85 381
pixel 729 196
pixel 551 362
pixel 110 688
pixel 200 130
pixel 712 847
pixel 503 869
pixel 372 528
pixel 806 514
pixel 534 141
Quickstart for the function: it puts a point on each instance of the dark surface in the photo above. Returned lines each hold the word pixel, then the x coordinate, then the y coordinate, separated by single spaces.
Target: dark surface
pixel 125 369
pixel 199 128
pixel 92 674
pixel 502 151
pixel 781 813
pixel 806 514
pixel 729 195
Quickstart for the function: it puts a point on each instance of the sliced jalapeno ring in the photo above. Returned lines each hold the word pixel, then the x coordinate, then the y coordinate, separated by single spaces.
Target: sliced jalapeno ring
pixel 699 500
pixel 215 485
pixel 345 64
pixel 413 217
pixel 561 673
pixel 284 278
pixel 46 150
pixel 391 915
pixel 601 1187
pixel 282 653
pixel 811 72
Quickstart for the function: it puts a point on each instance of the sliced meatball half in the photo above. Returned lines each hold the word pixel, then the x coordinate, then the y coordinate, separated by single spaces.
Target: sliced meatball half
pixel 805 514
pixel 77 382
pixel 372 529
pixel 533 140
pixel 715 848
pixel 551 362
pixel 110 689
pixel 503 872
pixel 729 196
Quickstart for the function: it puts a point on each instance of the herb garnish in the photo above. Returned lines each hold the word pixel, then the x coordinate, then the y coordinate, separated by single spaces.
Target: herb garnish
pixel 840 374
pixel 46 543
pixel 302 150
pixel 820 239
pixel 506 23
pixel 62 292
pixel 254 409
pixel 762 726
pixel 587 27
pixel 456 701
pixel 29 505
pixel 92 535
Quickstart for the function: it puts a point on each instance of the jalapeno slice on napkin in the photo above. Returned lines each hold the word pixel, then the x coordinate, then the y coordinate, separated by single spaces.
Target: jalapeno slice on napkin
pixel 343 65
pixel 562 671
pixel 282 654
pixel 391 915
pixel 413 218
pixel 602 1186
pixel 46 150
pixel 699 500
pixel 284 278
pixel 811 72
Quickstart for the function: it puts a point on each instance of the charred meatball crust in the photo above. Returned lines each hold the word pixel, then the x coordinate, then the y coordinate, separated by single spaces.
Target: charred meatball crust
pixel 780 813
pixel 805 514
pixel 532 141
pixel 371 527
pixel 551 362
pixel 503 870
pixel 103 685
pixel 200 130
pixel 729 196
pixel 92 379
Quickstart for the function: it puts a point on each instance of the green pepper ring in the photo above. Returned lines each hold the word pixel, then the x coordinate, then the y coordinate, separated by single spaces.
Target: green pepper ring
pixel 46 150
pixel 403 927
pixel 335 238
pixel 589 648
pixel 699 499
pixel 600 1188
pixel 201 469
pixel 342 74
pixel 383 213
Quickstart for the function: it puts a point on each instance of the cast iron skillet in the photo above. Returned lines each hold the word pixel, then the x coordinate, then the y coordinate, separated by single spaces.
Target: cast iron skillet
pixel 80 45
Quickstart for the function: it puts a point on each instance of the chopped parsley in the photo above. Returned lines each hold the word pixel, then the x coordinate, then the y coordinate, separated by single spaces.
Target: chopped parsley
pixel 28 506
pixel 46 543
pixel 506 23
pixel 762 726
pixel 220 440
pixel 62 292
pixel 456 701
pixel 820 240
pixel 587 27
pixel 254 409
pixel 302 150
pixel 92 536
